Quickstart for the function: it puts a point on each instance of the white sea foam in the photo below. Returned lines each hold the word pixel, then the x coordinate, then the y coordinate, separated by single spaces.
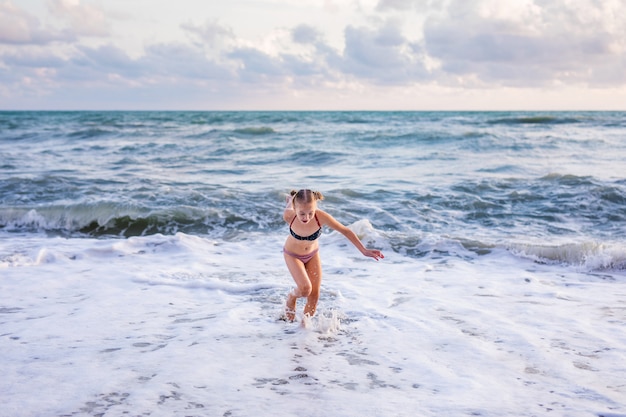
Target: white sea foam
pixel 588 255
pixel 183 325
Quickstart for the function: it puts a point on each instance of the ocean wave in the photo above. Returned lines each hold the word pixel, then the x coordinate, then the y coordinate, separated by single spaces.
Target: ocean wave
pixel 315 158
pixel 260 130
pixel 122 220
pixel 89 133
pixel 554 200
pixel 535 120
pixel 590 255
pixel 567 179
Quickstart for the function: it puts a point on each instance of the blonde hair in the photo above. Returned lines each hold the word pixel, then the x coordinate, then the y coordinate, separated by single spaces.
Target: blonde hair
pixel 305 196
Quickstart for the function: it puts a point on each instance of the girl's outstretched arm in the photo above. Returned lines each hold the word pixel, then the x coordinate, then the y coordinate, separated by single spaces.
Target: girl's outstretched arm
pixel 330 221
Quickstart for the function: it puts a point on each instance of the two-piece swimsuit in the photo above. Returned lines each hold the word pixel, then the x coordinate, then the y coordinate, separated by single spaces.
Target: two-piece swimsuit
pixel 307 257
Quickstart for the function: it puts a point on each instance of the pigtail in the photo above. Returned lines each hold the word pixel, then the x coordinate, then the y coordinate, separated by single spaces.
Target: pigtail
pixel 305 196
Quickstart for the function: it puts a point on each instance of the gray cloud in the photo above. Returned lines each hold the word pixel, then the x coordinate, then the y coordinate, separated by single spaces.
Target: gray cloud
pixel 305 34
pixel 173 63
pixel 257 66
pixel 18 27
pixel 32 58
pixel 383 55
pixel 211 33
pixel 83 19
pixel 551 47
pixel 176 60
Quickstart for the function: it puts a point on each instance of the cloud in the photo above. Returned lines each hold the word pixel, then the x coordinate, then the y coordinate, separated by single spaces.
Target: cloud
pixel 211 34
pixel 178 61
pixel 32 58
pixel 539 44
pixel 173 63
pixel 101 63
pixel 83 19
pixel 257 66
pixel 383 55
pixel 305 34
pixel 18 27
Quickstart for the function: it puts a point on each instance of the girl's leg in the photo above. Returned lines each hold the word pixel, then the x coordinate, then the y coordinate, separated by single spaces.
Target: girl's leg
pixel 303 285
pixel 314 272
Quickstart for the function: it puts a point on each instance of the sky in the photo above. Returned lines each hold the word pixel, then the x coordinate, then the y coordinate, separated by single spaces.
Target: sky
pixel 312 55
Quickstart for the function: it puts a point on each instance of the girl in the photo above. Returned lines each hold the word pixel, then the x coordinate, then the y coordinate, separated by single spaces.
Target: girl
pixel 301 248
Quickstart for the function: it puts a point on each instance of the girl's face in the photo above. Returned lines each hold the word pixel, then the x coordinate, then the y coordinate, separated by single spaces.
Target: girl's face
pixel 306 211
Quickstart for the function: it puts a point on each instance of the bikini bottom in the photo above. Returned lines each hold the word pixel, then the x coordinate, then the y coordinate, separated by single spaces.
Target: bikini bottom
pixel 304 258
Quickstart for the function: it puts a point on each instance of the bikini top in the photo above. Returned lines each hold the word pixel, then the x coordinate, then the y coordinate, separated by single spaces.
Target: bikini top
pixel 314 236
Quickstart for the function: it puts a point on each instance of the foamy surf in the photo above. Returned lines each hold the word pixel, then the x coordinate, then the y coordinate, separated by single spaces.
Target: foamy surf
pixel 588 256
pixel 166 324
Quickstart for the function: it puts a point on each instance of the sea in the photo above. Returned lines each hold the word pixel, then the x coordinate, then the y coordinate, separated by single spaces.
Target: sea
pixel 142 274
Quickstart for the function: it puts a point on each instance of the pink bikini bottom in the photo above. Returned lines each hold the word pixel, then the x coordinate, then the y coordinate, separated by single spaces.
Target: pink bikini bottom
pixel 304 258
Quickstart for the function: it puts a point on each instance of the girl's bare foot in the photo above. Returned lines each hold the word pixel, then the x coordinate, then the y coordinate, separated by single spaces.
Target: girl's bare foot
pixel 290 307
